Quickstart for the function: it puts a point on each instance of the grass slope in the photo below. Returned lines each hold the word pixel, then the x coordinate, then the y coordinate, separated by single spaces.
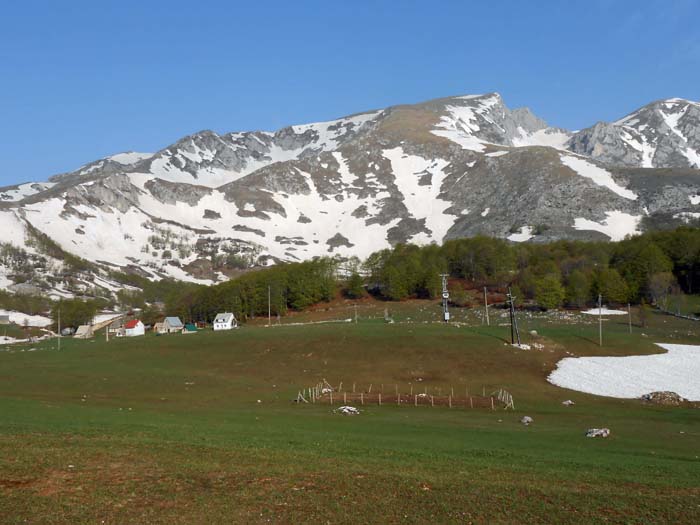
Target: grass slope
pixel 200 429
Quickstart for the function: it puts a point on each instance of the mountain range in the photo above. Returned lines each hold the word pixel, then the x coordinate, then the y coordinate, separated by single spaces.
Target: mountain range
pixel 212 204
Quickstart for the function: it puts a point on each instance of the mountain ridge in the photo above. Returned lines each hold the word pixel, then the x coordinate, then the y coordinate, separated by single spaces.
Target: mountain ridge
pixel 203 206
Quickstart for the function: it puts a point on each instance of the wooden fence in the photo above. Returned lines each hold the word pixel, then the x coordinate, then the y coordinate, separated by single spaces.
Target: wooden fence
pixel 324 393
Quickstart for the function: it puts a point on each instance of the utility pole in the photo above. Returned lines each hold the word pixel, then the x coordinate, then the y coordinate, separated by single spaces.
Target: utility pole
pixel 445 298
pixel 514 332
pixel 486 308
pixel 269 308
pixel 600 320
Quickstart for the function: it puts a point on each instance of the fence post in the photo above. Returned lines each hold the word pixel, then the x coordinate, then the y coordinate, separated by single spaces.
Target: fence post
pixel 362 398
pixel 492 403
pixel 345 398
pixel 449 401
pixel 415 400
pixel 471 403
pixel 380 399
pixel 432 401
pixel 331 398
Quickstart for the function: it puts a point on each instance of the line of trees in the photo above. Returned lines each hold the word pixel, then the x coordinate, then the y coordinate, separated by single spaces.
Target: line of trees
pixel 565 273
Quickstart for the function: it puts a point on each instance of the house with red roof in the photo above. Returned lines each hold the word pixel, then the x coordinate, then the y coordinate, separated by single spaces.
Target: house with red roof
pixel 134 328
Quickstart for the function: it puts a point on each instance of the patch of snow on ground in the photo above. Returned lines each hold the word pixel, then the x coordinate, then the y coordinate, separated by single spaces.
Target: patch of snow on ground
pixel 633 376
pixel 32 320
pixel 485 212
pixel 598 175
pixel 525 234
pixel 617 225
pixel 694 199
pixel 604 311
pixel 497 153
pixel 687 216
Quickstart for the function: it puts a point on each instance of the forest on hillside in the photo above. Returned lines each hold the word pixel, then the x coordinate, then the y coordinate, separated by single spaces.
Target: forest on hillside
pixel 652 268
pixel 658 268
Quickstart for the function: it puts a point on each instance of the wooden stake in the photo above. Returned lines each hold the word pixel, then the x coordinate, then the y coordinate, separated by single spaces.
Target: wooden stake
pixel 415 400
pixel 345 398
pixel 449 401
pixel 432 401
pixel 492 404
pixel 380 399
pixel 362 398
pixel 331 399
pixel 471 403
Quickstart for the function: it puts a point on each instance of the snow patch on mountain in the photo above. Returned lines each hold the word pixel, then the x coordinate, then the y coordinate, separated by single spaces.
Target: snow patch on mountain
pixel 22 191
pixel 525 234
pixel 420 198
pixel 598 175
pixel 129 157
pixel 553 138
pixel 617 225
pixel 694 199
pixel 460 124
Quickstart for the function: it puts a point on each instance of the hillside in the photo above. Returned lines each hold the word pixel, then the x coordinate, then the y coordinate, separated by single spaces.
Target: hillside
pixel 202 428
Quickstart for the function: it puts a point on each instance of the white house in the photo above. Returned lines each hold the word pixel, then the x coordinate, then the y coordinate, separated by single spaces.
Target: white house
pixel 225 321
pixel 134 328
pixel 171 325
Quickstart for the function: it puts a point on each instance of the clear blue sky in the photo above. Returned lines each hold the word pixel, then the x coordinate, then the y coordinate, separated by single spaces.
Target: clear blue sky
pixel 84 79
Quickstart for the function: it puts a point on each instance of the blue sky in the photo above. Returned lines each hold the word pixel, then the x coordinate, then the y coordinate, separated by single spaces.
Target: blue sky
pixel 80 80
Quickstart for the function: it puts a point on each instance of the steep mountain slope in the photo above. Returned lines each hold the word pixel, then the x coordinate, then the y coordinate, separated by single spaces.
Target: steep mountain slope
pixel 663 134
pixel 212 204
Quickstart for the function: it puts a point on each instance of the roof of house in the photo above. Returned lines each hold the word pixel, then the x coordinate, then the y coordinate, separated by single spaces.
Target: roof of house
pixel 131 324
pixel 223 318
pixel 83 329
pixel 190 327
pixel 174 321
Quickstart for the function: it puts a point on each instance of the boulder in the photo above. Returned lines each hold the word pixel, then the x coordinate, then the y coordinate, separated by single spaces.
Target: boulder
pixel 664 398
pixel 598 432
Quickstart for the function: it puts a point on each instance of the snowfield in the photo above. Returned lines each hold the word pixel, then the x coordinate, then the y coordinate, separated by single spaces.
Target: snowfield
pixel 630 377
pixel 617 225
pixel 598 175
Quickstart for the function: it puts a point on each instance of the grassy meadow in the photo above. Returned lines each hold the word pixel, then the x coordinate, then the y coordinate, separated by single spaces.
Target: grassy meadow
pixel 202 428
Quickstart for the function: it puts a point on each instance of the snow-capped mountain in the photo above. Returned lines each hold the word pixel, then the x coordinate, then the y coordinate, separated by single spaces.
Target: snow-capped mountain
pixel 212 204
pixel 663 134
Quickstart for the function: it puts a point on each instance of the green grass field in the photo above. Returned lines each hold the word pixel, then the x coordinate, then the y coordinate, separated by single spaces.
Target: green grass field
pixel 201 428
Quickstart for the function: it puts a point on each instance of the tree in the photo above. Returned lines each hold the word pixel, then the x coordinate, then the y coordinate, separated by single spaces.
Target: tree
pixel 549 293
pixel 354 288
pixel 610 284
pixel 578 289
pixel 74 312
pixel 660 286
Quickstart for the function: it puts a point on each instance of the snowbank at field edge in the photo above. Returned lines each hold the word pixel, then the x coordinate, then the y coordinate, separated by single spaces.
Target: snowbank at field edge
pixel 32 320
pixel 630 377
pixel 604 311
